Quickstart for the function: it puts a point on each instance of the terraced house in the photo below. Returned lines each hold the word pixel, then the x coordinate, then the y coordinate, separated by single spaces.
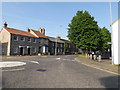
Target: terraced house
pixel 30 42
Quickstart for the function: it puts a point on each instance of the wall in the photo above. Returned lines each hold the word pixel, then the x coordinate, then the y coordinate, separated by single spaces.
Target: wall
pixel 5 38
pixel 16 44
pixel 115 42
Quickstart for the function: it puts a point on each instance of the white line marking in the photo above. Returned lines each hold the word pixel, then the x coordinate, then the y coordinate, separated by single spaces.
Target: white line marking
pixel 11 63
pixel 58 58
pixel 65 59
pixel 34 62
pixel 14 69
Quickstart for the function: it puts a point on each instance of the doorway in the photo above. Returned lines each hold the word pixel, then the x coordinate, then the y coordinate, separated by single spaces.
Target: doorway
pixel 21 50
pixel 28 51
pixel 40 49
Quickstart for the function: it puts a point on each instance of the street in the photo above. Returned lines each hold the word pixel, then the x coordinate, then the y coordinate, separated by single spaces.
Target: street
pixel 55 72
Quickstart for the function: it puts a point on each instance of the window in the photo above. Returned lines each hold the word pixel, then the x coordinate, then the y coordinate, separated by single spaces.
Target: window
pixel 15 50
pixel 34 50
pixel 61 50
pixel 22 38
pixel 69 45
pixel 46 50
pixel 53 44
pixel 15 38
pixel 58 50
pixel 3 50
pixel 34 40
pixel 61 45
pixel 39 40
pixel 29 39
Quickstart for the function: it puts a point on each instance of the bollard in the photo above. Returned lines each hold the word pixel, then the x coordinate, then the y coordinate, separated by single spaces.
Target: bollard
pixel 94 57
pixel 86 55
pixel 90 56
pixel 39 54
pixel 99 58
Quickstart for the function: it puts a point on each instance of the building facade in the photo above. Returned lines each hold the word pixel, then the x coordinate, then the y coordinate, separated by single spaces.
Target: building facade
pixel 32 42
pixel 115 40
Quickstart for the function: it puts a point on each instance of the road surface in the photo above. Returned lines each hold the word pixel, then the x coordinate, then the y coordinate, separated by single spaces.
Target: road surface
pixel 55 72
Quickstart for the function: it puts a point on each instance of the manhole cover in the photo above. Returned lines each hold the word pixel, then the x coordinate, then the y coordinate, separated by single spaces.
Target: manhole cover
pixel 42 70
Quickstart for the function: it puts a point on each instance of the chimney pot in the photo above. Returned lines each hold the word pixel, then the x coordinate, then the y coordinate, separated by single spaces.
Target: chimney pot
pixel 42 30
pixel 28 29
pixel 5 25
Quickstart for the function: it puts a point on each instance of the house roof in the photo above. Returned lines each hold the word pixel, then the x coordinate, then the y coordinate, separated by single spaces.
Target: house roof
pixel 19 32
pixel 67 41
pixel 54 40
pixel 39 34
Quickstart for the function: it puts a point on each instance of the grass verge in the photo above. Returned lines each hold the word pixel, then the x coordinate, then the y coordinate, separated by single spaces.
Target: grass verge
pixel 82 55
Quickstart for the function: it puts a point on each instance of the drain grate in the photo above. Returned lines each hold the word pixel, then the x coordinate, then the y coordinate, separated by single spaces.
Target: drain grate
pixel 42 70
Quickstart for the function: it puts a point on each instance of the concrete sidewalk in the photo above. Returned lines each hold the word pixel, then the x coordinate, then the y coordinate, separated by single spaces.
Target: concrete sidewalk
pixel 104 65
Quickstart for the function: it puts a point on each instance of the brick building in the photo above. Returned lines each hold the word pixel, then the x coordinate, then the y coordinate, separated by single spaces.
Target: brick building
pixel 31 42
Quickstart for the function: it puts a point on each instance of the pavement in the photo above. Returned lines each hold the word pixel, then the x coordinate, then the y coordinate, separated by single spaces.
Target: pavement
pixel 104 65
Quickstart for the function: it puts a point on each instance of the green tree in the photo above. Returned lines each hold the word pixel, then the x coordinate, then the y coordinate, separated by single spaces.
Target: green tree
pixel 105 37
pixel 83 31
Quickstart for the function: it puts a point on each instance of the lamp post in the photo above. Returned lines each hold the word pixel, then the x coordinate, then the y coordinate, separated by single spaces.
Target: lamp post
pixel 57 39
pixel 56 46
pixel 112 47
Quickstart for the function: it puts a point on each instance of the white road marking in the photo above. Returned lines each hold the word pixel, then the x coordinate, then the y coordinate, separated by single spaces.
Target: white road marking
pixel 68 60
pixel 34 62
pixel 11 64
pixel 58 58
pixel 65 59
pixel 14 69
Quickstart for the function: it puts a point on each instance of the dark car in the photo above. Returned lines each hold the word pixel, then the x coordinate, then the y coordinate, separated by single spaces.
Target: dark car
pixel 104 54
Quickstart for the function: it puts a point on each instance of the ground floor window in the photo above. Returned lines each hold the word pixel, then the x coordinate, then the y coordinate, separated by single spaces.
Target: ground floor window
pixel 34 50
pixel 15 50
pixel 3 50
pixel 46 50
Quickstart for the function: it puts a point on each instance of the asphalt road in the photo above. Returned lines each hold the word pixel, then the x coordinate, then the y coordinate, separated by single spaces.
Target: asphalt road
pixel 55 72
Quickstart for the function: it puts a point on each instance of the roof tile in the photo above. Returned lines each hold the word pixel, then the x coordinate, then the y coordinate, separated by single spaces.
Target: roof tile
pixel 19 32
pixel 39 34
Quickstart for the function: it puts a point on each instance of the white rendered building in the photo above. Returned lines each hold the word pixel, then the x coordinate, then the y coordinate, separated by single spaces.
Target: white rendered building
pixel 115 40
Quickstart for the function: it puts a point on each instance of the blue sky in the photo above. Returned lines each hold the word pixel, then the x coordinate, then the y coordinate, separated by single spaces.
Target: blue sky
pixel 54 16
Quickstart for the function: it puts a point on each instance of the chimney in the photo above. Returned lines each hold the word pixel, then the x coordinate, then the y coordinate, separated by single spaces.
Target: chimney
pixel 28 29
pixel 58 37
pixel 5 25
pixel 42 30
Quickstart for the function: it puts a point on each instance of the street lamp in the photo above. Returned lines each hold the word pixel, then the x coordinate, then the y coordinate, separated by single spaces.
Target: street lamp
pixel 112 47
pixel 56 46
pixel 57 39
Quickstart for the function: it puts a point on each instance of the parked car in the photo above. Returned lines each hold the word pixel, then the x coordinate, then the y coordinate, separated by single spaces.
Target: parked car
pixel 104 54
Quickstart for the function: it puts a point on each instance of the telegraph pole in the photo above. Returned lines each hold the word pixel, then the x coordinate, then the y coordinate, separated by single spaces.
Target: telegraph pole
pixel 56 46
pixel 112 47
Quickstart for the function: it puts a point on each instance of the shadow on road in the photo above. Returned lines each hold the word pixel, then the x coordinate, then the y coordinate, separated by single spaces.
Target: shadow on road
pixel 111 82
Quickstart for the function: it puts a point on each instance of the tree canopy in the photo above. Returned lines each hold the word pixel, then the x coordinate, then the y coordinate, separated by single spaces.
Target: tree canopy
pixel 84 32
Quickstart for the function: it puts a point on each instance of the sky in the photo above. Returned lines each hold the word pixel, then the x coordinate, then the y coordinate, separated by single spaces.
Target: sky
pixel 54 16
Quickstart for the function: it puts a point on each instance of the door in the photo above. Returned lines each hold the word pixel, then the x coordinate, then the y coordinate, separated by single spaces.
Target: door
pixel 21 51
pixel 40 49
pixel 28 51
